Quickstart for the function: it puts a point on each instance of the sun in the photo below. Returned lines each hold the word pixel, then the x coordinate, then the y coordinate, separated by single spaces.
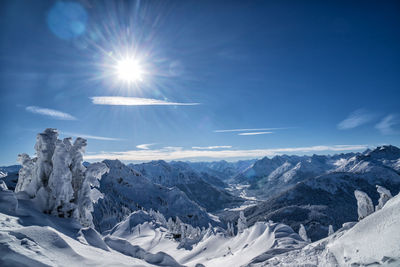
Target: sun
pixel 129 70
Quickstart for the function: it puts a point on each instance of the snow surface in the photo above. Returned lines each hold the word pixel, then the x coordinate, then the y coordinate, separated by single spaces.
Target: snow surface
pixel 30 238
pixel 374 241
pixel 215 248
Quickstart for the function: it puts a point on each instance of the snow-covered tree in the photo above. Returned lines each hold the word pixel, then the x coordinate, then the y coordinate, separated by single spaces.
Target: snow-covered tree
pixel 364 203
pixel 25 175
pixel 384 196
pixel 230 231
pixel 170 225
pixel 242 222
pixel 303 233
pixel 77 169
pixel 88 194
pixel 60 180
pixel 56 179
pixel 330 230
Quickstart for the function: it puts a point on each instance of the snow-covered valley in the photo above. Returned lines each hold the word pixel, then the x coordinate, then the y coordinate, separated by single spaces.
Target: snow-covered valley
pixel 340 210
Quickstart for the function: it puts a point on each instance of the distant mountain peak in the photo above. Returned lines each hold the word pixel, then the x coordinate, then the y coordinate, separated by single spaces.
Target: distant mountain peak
pixel 389 152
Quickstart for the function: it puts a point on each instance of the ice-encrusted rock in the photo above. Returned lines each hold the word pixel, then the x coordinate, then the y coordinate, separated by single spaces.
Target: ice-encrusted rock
pixel 364 204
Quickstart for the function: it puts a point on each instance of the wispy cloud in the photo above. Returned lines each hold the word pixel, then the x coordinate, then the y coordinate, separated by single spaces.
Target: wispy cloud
pixel 249 130
pixel 385 126
pixel 178 153
pixel 210 147
pixel 145 146
pixel 134 101
pixel 95 137
pixel 355 119
pixel 255 133
pixel 55 114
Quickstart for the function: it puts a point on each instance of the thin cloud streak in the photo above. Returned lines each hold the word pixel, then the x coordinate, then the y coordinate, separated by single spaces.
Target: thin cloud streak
pixel 95 137
pixel 145 146
pixel 249 130
pixel 385 126
pixel 177 153
pixel 55 114
pixel 210 147
pixel 255 133
pixel 134 101
pixel 355 119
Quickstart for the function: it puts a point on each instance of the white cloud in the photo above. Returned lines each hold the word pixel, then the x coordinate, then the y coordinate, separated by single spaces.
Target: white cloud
pixel 55 114
pixel 134 101
pixel 385 126
pixel 249 130
pixel 178 153
pixel 86 136
pixel 144 146
pixel 355 119
pixel 255 133
pixel 210 147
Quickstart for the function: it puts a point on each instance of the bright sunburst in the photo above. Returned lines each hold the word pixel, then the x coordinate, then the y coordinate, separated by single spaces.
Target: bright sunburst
pixel 129 70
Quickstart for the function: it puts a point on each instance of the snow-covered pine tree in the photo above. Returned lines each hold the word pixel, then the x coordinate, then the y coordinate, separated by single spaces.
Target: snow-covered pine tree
pixel 364 204
pixel 384 196
pixel 330 230
pixel 242 222
pixel 61 192
pixel 25 175
pixel 303 233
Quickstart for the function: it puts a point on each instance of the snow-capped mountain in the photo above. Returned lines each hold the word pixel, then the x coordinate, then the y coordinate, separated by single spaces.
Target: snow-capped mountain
pixel 269 177
pixel 327 199
pixel 126 190
pixel 181 175
pixel 9 174
pixel 64 213
pixel 222 169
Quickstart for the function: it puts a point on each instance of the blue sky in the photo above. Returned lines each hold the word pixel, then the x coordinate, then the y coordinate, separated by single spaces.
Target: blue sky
pixel 295 77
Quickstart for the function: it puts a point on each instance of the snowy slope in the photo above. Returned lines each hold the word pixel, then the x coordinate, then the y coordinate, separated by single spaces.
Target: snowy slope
pixel 215 248
pixel 31 238
pixel 126 190
pixel 374 241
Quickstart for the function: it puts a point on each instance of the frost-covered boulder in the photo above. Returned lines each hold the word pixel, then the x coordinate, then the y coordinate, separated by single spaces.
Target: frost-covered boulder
pixel 384 196
pixel 56 179
pixel 364 204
